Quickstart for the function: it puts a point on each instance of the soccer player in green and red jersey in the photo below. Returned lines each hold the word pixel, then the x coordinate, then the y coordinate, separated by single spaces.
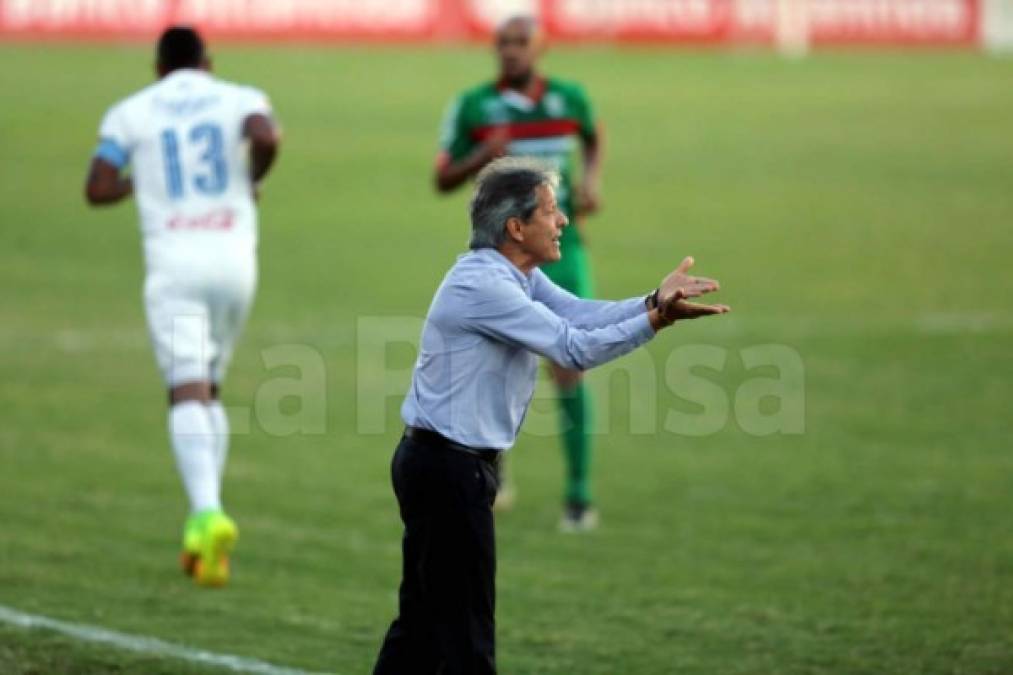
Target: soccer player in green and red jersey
pixel 525 113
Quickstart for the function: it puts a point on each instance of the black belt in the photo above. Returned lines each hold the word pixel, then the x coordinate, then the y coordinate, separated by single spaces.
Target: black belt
pixel 431 437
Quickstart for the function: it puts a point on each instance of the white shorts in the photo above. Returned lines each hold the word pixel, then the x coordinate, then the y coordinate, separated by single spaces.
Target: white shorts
pixel 195 319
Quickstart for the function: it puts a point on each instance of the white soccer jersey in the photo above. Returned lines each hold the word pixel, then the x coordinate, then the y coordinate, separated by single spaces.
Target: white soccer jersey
pixel 183 138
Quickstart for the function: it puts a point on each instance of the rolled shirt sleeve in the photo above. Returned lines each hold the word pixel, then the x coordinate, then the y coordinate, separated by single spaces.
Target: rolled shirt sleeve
pixel 501 310
pixel 580 312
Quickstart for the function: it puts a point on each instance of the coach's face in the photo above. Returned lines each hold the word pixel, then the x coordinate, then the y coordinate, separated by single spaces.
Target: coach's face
pixel 539 236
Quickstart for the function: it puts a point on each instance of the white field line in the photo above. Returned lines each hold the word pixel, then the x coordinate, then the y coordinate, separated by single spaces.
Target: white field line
pixel 144 645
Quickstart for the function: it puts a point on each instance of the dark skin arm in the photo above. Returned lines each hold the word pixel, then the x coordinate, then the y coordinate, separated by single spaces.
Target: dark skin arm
pixel 264 141
pixel 105 185
pixel 452 174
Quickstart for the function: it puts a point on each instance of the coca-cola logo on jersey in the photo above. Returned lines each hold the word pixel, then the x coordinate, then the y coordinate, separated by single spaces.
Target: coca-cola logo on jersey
pixel 220 219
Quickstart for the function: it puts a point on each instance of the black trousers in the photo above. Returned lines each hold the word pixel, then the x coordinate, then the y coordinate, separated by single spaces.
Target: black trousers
pixel 447 598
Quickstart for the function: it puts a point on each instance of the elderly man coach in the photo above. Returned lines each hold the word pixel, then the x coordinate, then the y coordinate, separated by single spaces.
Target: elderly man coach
pixel 491 318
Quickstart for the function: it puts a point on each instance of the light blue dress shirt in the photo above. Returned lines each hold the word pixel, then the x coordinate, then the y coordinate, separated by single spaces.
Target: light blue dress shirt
pixel 486 327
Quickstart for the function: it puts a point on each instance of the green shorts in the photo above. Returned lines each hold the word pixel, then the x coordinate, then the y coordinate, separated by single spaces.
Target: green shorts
pixel 573 271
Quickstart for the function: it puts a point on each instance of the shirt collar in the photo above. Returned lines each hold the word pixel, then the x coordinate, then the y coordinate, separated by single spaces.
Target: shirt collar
pixel 537 89
pixel 493 256
pixel 181 73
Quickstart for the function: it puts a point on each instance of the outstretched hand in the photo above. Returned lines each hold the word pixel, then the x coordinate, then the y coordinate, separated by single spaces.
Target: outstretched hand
pixel 679 279
pixel 678 287
pixel 680 309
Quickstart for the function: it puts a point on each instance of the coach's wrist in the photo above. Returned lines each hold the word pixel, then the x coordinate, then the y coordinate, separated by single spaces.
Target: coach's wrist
pixel 657 320
pixel 651 301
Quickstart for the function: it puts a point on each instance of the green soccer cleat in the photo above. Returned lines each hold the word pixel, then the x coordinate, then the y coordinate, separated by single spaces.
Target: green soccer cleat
pixel 209 537
pixel 218 536
pixel 191 543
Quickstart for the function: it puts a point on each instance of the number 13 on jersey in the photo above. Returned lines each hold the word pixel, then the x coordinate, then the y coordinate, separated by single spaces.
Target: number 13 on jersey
pixel 210 172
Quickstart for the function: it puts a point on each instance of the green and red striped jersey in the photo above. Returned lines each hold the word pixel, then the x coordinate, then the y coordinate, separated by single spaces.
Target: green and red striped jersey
pixel 546 125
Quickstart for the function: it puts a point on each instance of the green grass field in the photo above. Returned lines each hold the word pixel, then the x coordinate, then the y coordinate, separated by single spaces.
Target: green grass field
pixel 858 209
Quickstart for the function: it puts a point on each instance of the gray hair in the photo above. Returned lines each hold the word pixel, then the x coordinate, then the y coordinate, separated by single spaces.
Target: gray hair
pixel 506 188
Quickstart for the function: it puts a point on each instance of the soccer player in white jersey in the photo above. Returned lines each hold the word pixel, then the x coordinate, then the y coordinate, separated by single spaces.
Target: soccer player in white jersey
pixel 198 148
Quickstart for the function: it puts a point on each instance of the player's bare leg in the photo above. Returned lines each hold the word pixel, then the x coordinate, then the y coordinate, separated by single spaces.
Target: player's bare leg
pixel 197 439
pixel 575 421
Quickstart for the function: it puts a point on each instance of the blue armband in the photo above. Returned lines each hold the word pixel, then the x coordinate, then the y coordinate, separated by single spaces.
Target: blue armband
pixel 111 152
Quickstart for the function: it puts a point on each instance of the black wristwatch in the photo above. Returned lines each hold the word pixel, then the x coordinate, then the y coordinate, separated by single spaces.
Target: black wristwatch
pixel 651 301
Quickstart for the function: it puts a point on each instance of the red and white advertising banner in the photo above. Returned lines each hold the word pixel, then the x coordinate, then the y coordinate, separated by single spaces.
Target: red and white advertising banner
pixel 894 21
pixel 843 22
pixel 929 22
pixel 689 21
pixel 246 19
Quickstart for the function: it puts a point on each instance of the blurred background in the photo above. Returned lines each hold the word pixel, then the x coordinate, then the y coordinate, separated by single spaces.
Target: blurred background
pixel 844 167
pixel 791 25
